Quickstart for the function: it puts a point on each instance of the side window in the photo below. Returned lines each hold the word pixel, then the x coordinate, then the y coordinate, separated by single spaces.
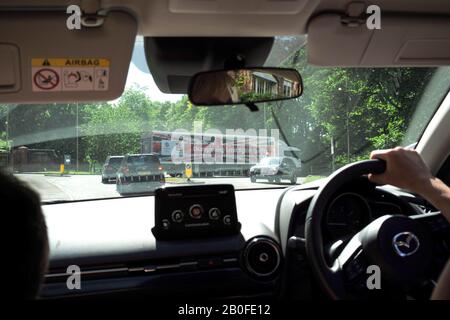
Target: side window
pixel 152 159
pixel 290 163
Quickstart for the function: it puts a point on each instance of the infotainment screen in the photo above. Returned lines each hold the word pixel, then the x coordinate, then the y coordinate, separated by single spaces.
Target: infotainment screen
pixel 195 211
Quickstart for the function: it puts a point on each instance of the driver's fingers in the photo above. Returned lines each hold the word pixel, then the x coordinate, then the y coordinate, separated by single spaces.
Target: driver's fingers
pixel 376 178
pixel 379 154
pixel 383 155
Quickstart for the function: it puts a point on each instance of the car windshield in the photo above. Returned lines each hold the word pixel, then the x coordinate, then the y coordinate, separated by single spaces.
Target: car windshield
pixel 343 114
pixel 142 160
pixel 270 161
pixel 115 161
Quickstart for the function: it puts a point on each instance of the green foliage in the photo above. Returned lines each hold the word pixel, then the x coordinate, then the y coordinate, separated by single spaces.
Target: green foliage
pixel 372 107
pixel 4 143
pixel 312 178
pixel 255 97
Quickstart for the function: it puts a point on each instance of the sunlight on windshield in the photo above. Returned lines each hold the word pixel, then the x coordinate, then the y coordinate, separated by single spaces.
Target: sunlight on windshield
pixel 89 150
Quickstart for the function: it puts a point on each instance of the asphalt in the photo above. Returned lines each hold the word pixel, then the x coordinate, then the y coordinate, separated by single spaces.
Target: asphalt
pixel 81 187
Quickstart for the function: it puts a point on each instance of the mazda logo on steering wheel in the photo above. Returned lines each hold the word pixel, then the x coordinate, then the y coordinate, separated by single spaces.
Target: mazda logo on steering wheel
pixel 405 243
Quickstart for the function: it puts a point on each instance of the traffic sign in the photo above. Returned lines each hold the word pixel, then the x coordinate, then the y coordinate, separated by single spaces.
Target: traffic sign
pixel 67 159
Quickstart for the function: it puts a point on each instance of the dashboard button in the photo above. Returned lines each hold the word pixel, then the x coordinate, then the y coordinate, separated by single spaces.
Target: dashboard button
pixel 165 224
pixel 177 216
pixel 196 211
pixel 214 213
pixel 227 220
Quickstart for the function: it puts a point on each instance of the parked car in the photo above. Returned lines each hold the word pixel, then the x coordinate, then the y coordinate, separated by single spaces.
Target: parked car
pixel 274 169
pixel 109 171
pixel 139 173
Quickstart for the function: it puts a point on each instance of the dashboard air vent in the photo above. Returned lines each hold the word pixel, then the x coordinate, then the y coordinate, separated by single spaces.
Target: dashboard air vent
pixel 262 257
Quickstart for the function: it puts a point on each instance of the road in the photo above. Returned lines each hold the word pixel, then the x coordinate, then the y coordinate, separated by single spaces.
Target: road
pixel 79 187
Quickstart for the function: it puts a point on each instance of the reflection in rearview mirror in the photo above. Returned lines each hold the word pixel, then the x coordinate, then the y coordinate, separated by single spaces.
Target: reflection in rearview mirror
pixel 244 86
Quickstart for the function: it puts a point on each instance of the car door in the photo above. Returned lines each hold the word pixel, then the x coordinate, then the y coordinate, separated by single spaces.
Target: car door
pixel 284 167
pixel 289 167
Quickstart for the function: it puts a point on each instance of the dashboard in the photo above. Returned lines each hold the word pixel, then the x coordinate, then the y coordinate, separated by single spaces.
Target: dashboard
pixel 351 209
pixel 354 208
pixel 112 243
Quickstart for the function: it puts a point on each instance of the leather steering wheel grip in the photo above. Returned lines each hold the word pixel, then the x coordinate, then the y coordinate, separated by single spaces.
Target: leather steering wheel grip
pixel 316 211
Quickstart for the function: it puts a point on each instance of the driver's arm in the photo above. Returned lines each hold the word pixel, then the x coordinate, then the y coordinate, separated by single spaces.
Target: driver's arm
pixel 442 289
pixel 406 169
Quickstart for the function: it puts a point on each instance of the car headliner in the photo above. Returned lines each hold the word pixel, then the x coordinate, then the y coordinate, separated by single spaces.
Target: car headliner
pixel 227 17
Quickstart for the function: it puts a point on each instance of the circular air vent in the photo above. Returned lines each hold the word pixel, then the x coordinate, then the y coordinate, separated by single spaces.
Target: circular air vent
pixel 262 257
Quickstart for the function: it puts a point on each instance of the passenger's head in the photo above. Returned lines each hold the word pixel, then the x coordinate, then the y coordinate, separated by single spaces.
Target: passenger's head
pixel 25 242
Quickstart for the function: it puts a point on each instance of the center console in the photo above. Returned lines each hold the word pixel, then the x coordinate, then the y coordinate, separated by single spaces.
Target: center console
pixel 196 211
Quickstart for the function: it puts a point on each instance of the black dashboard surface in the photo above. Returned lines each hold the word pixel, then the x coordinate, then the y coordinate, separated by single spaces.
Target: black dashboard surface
pixel 115 230
pixel 111 242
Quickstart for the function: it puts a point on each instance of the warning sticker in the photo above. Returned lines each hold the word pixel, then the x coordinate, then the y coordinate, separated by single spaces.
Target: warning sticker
pixel 70 74
pixel 46 79
pixel 78 79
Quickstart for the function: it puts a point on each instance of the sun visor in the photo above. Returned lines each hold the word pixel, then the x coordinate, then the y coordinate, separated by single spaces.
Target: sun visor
pixel 41 60
pixel 401 41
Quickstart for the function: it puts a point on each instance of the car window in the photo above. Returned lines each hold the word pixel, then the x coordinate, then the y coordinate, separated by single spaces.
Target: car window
pixel 115 161
pixel 270 161
pixel 142 160
pixel 289 162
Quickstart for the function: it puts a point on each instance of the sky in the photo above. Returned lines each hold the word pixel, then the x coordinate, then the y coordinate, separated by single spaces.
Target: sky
pixel 142 79
pixel 139 74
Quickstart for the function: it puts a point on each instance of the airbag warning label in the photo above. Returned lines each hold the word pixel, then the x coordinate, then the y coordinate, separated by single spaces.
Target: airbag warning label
pixel 69 74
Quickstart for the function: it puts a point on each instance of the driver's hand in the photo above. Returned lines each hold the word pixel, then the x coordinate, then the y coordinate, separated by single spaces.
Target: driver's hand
pixel 404 169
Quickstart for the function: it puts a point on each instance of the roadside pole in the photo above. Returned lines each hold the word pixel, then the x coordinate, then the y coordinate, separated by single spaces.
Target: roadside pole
pixel 332 154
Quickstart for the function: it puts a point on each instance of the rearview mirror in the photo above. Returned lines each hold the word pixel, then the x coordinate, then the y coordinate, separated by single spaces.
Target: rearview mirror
pixel 244 86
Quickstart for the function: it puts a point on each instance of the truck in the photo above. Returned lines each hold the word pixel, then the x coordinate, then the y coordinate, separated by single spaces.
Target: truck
pixel 213 154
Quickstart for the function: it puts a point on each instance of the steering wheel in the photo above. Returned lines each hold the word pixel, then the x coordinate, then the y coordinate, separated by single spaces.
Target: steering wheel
pixel 399 246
